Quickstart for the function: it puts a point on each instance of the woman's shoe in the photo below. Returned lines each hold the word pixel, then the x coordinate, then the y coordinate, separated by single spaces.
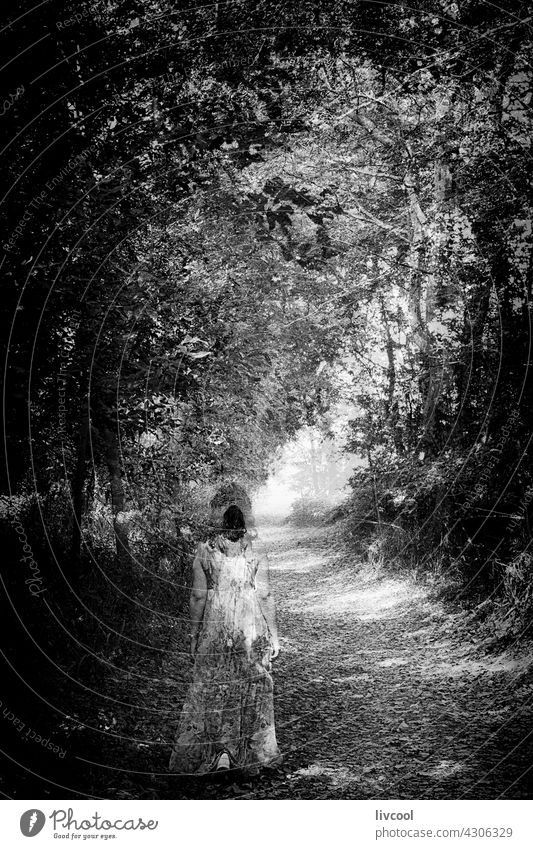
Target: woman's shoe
pixel 223 762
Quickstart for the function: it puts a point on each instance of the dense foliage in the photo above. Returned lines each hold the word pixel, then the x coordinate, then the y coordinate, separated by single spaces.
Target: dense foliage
pixel 219 223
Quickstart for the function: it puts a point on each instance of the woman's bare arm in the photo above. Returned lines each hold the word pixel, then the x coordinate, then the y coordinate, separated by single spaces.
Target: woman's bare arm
pixel 266 600
pixel 197 600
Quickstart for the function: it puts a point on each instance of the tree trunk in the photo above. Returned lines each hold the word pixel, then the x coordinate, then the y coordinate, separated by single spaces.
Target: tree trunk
pixel 390 403
pixel 314 473
pixel 417 221
pixel 78 483
pixel 118 499
pixel 332 476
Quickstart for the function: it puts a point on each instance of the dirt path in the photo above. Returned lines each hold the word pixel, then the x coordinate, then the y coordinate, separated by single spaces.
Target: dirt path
pixel 380 693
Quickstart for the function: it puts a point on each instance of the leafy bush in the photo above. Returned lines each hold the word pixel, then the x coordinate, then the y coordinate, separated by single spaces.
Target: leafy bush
pixel 308 510
pixel 438 519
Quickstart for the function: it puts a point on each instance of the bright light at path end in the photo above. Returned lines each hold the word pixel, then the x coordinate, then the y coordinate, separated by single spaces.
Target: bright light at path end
pixel 274 499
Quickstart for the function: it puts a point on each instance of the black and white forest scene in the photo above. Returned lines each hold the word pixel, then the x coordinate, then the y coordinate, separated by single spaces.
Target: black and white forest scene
pixel 266 499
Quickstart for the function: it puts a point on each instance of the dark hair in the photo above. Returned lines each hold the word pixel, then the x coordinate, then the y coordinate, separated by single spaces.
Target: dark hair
pixel 233 524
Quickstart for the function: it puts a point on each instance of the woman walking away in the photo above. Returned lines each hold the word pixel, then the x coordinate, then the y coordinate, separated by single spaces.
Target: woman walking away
pixel 227 721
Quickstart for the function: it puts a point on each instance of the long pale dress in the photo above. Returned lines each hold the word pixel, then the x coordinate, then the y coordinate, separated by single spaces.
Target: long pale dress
pixel 229 706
